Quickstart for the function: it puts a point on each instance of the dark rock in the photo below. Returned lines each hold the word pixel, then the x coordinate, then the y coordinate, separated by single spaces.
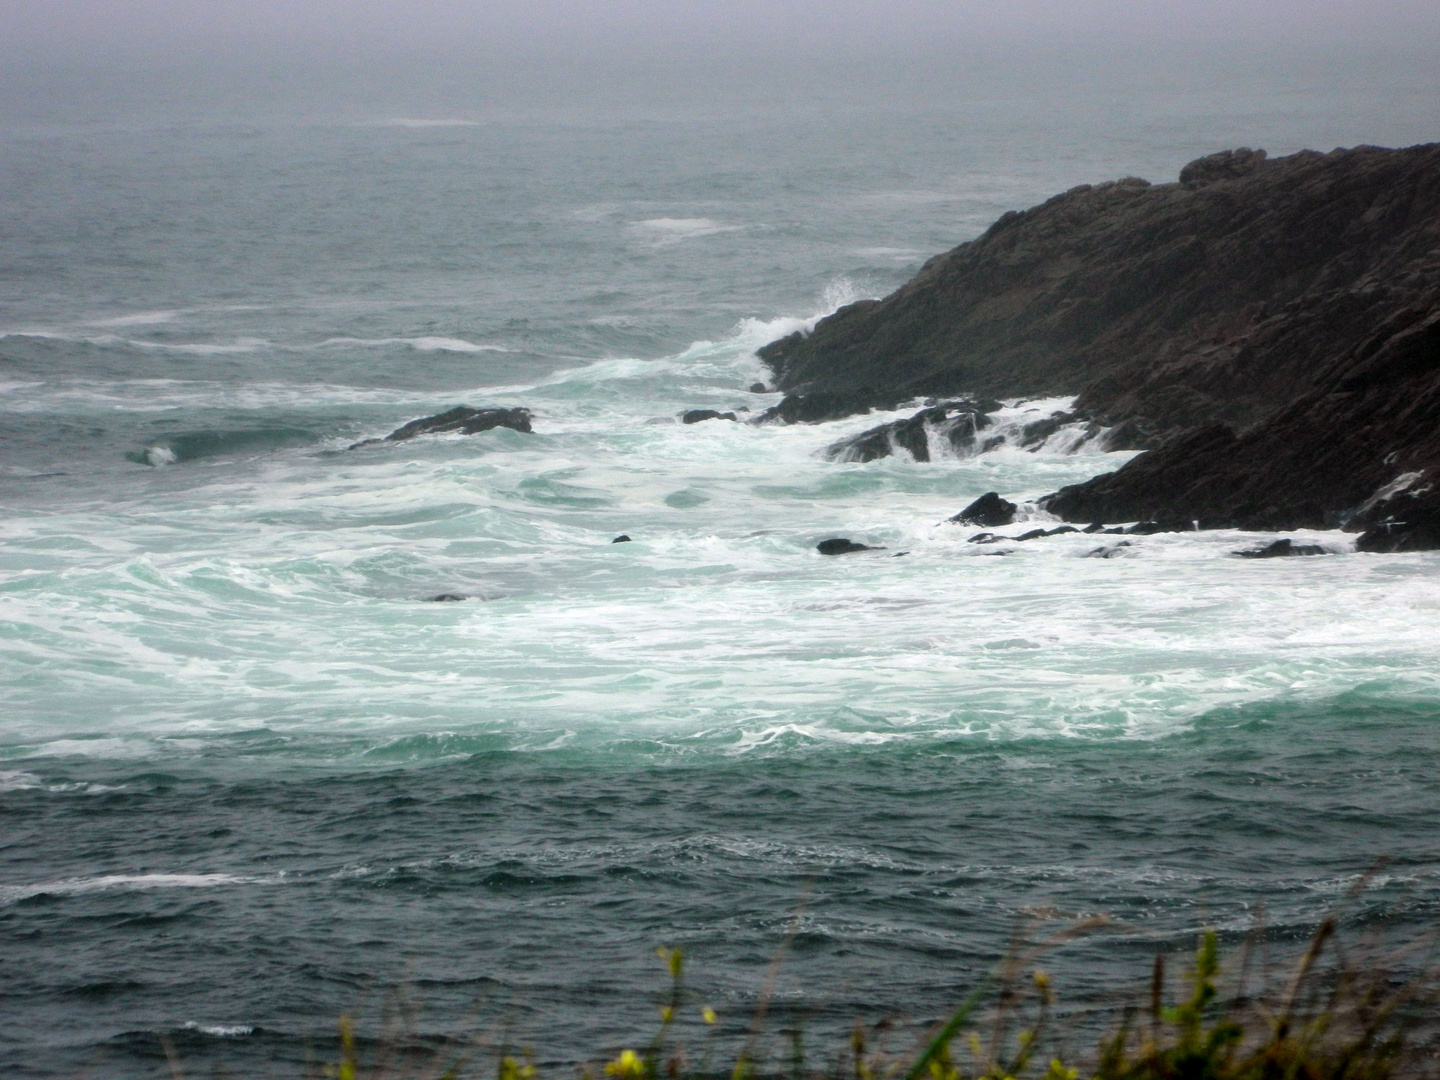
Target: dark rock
pixel 461 419
pixel 814 407
pixel 842 546
pixel 1061 530
pixel 1094 527
pixel 986 538
pixel 1269 330
pixel 1033 534
pixel 621 539
pixel 1407 521
pixel 1281 549
pixel 954 421
pixel 1226 165
pixel 447 597
pixel 694 416
pixel 758 388
pixel 989 510
pixel 1147 528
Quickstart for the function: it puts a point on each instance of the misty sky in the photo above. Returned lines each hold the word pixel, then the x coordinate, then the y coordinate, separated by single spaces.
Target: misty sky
pixel 58 27
pixel 64 57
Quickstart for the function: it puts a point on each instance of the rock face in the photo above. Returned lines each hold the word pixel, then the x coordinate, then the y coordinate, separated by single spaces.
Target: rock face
pixel 1269 328
pixel 988 511
pixel 461 419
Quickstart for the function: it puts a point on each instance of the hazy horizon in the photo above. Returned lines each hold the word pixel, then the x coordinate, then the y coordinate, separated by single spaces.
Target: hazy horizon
pixel 89 61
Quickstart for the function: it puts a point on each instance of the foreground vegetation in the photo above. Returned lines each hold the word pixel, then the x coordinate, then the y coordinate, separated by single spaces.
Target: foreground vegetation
pixel 1335 1014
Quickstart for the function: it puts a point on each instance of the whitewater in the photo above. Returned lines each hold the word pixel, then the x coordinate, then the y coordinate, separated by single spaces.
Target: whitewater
pixel 253 772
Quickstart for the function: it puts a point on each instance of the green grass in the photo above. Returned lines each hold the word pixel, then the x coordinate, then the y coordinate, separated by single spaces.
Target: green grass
pixel 1333 1014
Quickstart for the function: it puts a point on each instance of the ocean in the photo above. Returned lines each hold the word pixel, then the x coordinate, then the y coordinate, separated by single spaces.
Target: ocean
pixel 252 776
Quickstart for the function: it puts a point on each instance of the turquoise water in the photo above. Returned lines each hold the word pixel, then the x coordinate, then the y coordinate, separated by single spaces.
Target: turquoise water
pixel 250 774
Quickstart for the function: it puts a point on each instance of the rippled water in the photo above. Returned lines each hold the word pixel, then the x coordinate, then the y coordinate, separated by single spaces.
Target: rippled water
pixel 250 774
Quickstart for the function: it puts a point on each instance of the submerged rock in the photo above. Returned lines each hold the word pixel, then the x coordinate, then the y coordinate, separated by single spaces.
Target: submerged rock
pixel 621 539
pixel 1282 548
pixel 988 511
pixel 447 597
pixel 842 546
pixel 462 420
pixel 695 416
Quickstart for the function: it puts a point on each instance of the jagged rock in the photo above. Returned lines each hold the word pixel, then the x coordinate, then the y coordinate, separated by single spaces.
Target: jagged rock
pixel 1226 165
pixel 1269 330
pixel 621 539
pixel 694 416
pixel 1282 548
pixel 461 419
pixel 954 421
pixel 989 511
pixel 842 546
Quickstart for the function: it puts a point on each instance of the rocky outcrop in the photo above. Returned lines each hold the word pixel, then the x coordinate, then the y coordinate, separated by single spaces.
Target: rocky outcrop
pixel 1162 306
pixel 1268 328
pixel 954 423
pixel 461 420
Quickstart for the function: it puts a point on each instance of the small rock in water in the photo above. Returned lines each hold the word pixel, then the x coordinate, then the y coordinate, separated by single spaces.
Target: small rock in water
pixel 447 597
pixel 461 419
pixel 1061 530
pixel 758 388
pixel 623 538
pixel 1146 528
pixel 1033 534
pixel 989 511
pixel 694 416
pixel 985 538
pixel 1282 548
pixel 842 546
pixel 1094 527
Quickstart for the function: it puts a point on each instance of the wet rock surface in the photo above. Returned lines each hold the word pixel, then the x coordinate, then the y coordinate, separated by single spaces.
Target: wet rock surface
pixel 842 546
pixel 1281 549
pixel 461 420
pixel 695 416
pixel 954 423
pixel 988 511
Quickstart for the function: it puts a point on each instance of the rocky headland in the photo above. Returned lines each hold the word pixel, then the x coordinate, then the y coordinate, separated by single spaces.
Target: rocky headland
pixel 1268 329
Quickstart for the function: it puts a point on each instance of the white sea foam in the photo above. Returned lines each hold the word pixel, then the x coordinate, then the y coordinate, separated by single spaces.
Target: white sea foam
pixel 14 780
pixel 10 894
pixel 221 1031
pixel 667 230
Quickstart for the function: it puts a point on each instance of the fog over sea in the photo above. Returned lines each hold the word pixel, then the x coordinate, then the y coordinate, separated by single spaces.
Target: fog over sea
pixel 250 776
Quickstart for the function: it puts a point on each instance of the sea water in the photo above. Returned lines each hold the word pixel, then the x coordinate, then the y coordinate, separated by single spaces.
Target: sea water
pixel 252 775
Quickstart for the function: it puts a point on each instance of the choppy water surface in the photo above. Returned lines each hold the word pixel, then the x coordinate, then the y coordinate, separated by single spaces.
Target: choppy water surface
pixel 250 773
